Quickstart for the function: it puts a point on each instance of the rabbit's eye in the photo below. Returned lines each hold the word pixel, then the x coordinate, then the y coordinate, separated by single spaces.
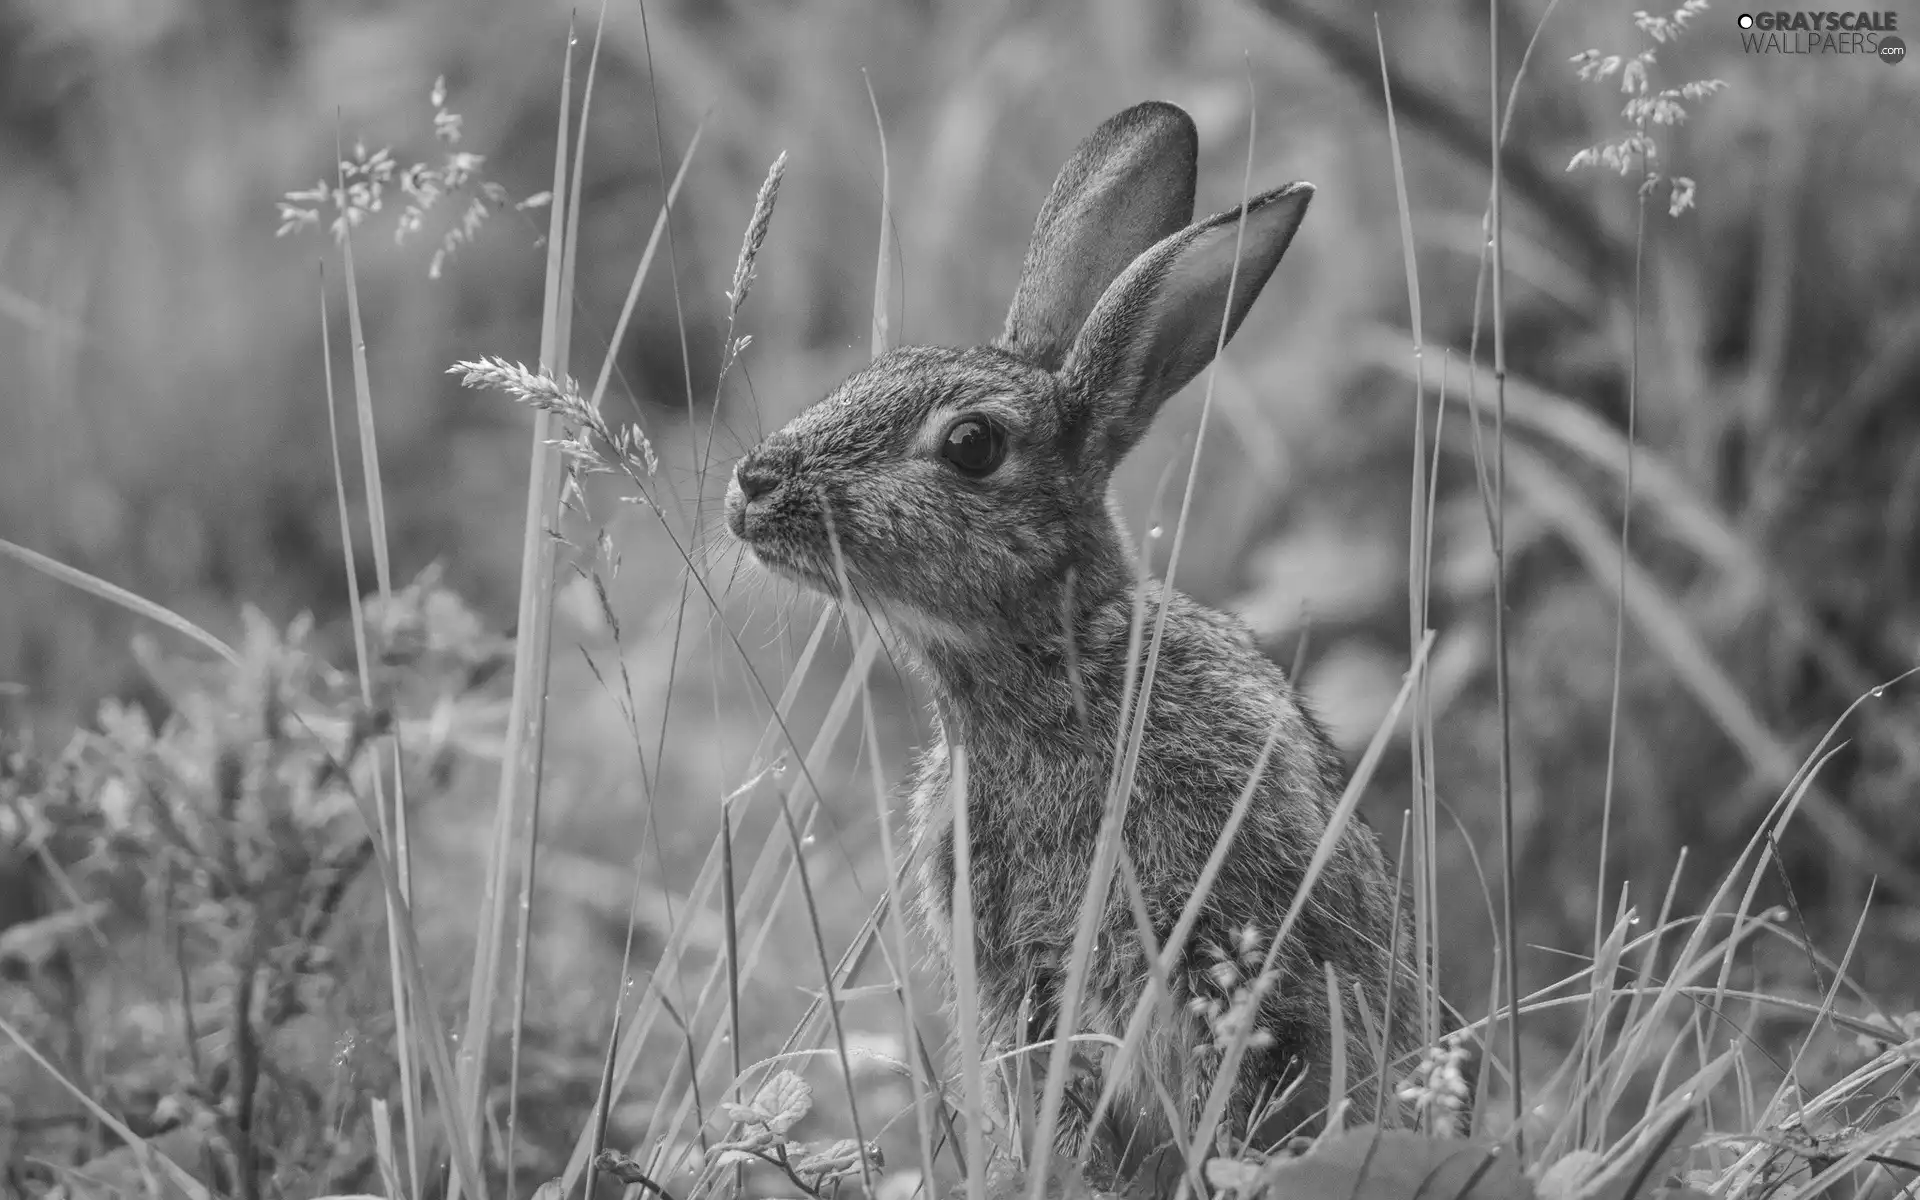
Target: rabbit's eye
pixel 974 446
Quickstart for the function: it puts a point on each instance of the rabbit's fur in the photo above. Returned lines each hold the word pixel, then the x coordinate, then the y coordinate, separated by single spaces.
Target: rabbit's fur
pixel 1014 592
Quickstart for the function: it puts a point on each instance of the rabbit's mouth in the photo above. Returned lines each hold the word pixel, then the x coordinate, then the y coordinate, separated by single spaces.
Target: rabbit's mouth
pixel 779 555
pixel 793 567
pixel 757 517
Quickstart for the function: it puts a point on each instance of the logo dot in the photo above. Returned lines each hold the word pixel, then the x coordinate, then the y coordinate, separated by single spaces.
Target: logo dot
pixel 1892 50
pixel 1746 21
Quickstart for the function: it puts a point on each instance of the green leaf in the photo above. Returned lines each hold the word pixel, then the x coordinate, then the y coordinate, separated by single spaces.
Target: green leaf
pixel 782 1101
pixel 1233 1174
pixel 1369 1164
pixel 831 1161
pixel 1563 1178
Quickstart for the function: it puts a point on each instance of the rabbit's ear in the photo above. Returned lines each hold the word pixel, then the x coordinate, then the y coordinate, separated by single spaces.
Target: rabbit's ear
pixel 1159 324
pixel 1127 186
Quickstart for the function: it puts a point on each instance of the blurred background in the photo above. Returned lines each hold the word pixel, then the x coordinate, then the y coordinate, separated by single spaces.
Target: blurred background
pixel 163 404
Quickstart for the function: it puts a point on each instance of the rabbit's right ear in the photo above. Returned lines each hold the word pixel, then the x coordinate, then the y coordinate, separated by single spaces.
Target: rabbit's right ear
pixel 1162 321
pixel 1128 186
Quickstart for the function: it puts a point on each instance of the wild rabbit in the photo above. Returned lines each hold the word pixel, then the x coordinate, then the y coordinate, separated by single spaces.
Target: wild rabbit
pixel 964 494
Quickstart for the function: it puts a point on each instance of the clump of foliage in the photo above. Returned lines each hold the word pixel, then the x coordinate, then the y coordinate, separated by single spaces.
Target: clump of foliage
pixel 197 859
pixel 761 1136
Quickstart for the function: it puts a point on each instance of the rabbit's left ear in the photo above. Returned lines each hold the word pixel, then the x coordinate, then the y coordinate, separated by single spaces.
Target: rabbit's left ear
pixel 1127 186
pixel 1159 324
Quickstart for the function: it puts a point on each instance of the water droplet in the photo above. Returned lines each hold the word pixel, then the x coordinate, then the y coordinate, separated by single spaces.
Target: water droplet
pixel 780 768
pixel 1154 532
pixel 1878 691
pixel 807 840
pixel 1633 919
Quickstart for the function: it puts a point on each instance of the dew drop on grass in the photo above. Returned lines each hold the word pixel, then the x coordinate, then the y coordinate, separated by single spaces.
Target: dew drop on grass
pixel 1154 532
pixel 780 768
pixel 1878 691
pixel 808 840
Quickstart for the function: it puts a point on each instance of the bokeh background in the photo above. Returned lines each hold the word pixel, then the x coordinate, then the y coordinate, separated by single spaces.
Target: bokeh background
pixel 163 405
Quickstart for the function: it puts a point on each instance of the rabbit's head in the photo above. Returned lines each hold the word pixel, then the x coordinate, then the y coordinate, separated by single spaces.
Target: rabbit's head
pixel 964 492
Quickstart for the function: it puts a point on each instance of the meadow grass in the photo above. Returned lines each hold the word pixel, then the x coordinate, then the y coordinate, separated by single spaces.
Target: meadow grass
pixel 1665 1083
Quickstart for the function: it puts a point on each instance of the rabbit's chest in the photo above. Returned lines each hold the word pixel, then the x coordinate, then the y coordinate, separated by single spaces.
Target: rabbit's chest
pixel 1032 829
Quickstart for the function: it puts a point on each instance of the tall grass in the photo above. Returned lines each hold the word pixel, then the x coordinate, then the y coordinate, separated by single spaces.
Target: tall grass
pixel 410 1100
pixel 517 810
pixel 1421 495
pixel 1664 1054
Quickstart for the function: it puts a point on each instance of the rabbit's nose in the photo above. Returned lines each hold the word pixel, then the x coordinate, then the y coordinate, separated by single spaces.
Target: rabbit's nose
pixel 755 476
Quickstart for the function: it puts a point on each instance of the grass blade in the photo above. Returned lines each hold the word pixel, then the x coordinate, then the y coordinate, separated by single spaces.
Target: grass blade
pixel 392 822
pixel 138 605
pixel 1509 875
pixel 966 983
pixel 882 275
pixel 555 344
pixel 640 272
pixel 147 1156
pixel 521 764
pixel 1419 554
pixel 397 979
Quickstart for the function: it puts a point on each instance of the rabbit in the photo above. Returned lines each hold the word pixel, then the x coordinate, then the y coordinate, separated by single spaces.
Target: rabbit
pixel 962 496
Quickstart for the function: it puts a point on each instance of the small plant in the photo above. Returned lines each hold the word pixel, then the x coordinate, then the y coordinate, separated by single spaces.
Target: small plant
pixel 1244 980
pixel 366 179
pixel 589 446
pixel 761 1135
pixel 1647 107
pixel 1438 1090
